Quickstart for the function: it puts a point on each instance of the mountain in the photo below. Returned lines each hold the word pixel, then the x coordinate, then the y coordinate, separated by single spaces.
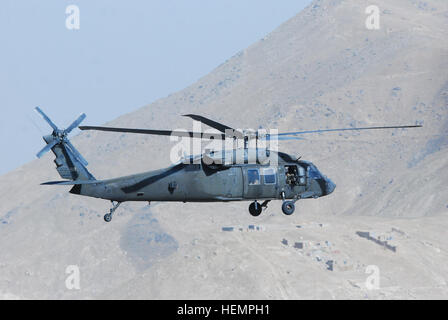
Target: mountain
pixel 321 69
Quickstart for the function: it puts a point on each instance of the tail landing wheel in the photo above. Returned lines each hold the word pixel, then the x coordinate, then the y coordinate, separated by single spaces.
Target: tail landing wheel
pixel 255 209
pixel 108 216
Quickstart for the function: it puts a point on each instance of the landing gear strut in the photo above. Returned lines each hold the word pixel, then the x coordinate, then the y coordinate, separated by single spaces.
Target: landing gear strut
pixel 264 205
pixel 108 216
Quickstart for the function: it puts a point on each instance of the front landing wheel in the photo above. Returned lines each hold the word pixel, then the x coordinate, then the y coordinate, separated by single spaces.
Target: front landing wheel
pixel 108 217
pixel 288 207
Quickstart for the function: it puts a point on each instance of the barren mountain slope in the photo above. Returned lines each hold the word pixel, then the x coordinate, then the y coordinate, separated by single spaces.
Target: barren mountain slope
pixel 321 69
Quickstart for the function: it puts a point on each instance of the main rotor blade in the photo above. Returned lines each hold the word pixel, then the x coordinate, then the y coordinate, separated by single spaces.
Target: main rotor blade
pixel 216 125
pixel 76 123
pixel 157 132
pixel 223 136
pixel 276 137
pixel 76 153
pixel 284 138
pixel 46 118
pixel 47 148
pixel 345 129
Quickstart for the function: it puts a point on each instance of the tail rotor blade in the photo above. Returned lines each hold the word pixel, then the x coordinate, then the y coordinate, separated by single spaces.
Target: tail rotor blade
pixel 45 117
pixel 47 148
pixel 76 153
pixel 76 123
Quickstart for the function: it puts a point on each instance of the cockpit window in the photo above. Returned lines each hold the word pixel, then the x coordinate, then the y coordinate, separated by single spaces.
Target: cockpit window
pixel 314 173
pixel 253 176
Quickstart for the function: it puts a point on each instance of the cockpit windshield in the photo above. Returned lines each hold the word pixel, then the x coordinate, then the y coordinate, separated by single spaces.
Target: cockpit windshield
pixel 314 173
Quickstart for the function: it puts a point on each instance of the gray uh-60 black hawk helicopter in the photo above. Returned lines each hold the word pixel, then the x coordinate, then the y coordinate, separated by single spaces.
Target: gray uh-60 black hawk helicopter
pixel 209 177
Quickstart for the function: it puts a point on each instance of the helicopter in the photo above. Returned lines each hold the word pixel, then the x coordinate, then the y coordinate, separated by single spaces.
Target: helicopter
pixel 249 175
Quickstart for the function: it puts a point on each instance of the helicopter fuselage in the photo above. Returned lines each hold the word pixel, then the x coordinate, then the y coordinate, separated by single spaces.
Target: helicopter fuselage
pixel 203 183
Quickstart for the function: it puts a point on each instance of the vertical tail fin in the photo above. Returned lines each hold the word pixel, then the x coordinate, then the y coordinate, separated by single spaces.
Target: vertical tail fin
pixel 70 164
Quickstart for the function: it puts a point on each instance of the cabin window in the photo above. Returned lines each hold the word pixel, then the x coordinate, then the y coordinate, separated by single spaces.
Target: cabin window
pixel 253 176
pixel 269 175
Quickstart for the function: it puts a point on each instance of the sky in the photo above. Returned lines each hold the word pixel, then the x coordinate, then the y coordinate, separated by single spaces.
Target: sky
pixel 125 54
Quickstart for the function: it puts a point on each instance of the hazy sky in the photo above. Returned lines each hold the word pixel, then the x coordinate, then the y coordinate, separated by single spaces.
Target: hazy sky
pixel 125 55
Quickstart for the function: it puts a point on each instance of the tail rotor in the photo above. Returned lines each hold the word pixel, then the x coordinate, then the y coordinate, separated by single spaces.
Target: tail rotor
pixel 59 137
pixel 45 117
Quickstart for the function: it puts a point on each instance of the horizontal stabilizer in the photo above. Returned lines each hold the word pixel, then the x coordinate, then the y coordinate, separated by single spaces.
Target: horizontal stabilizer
pixel 70 183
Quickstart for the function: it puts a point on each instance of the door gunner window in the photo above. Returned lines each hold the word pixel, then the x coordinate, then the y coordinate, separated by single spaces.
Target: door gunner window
pixel 291 175
pixel 253 176
pixel 269 175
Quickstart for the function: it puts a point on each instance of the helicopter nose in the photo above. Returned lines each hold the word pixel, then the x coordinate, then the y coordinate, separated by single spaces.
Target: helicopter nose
pixel 330 186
